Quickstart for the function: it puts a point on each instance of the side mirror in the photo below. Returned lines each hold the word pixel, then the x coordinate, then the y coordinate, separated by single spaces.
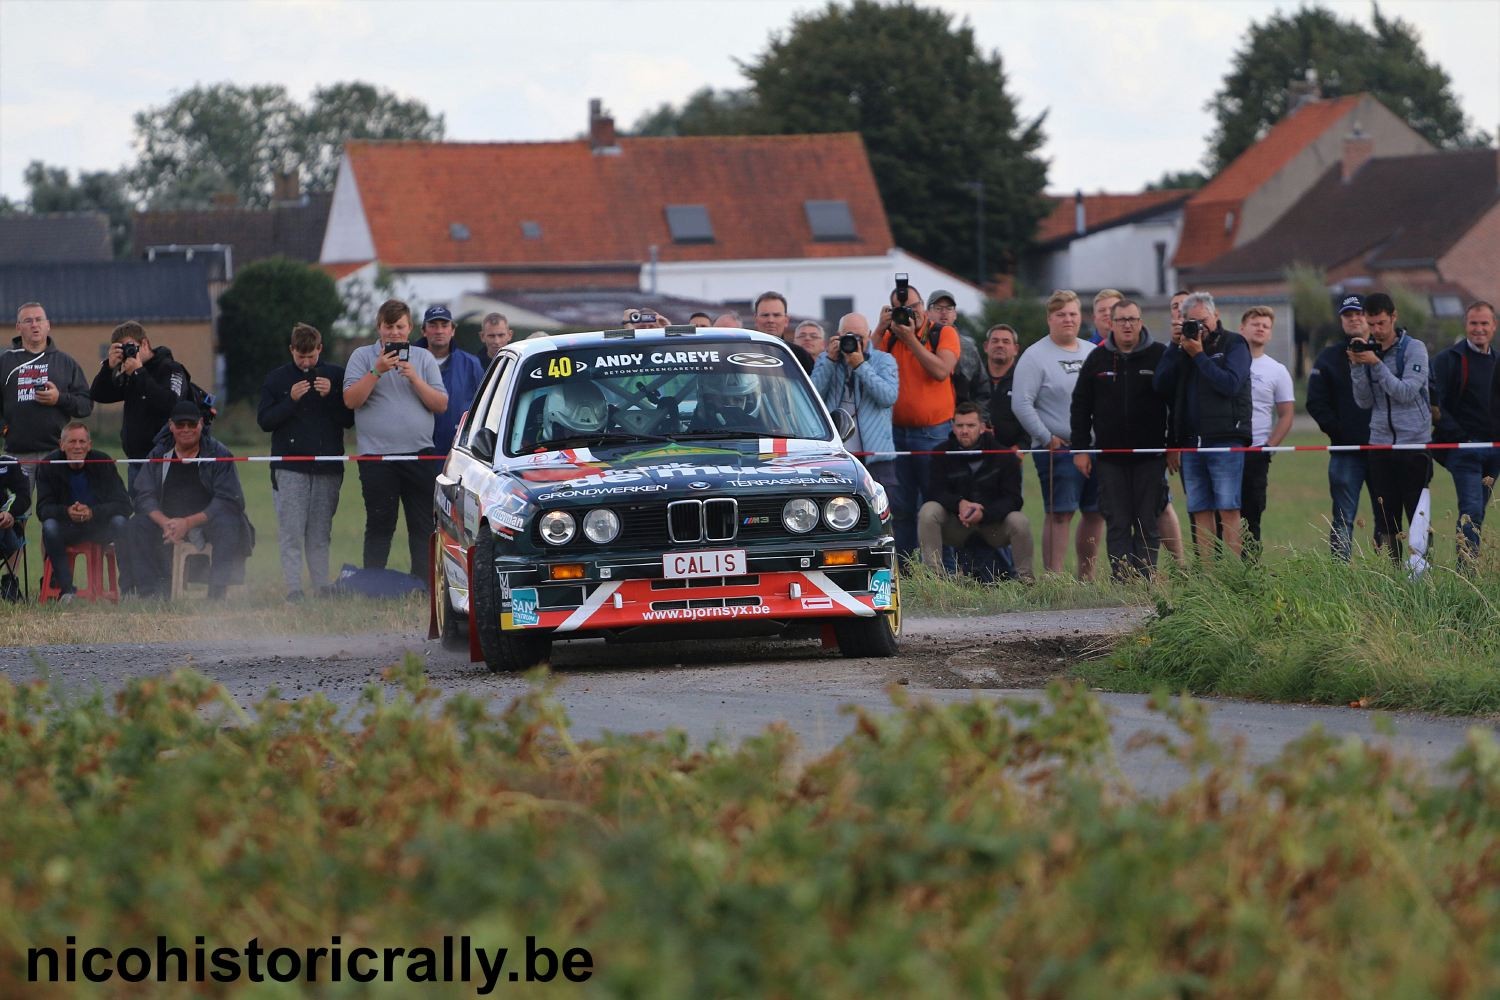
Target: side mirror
pixel 843 423
pixel 483 445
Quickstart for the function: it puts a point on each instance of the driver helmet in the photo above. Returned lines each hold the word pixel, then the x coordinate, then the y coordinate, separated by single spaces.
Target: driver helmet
pixel 574 408
pixel 732 393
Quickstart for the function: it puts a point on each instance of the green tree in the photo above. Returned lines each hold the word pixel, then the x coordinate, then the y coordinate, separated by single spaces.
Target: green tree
pixel 935 116
pixel 257 313
pixel 1178 180
pixel 356 110
pixel 227 138
pixel 706 112
pixel 52 189
pixel 1386 60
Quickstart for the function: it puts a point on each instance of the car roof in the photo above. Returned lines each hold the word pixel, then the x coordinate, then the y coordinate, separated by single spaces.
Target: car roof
pixel 674 336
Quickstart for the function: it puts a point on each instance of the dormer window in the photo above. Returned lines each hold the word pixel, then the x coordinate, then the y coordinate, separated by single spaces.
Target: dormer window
pixel 690 224
pixel 830 221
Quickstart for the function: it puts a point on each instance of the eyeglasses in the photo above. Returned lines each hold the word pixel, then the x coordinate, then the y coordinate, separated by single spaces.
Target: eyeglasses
pixel 1127 321
pixel 184 423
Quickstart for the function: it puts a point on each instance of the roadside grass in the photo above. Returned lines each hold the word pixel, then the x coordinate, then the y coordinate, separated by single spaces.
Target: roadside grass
pixel 974 849
pixel 1310 629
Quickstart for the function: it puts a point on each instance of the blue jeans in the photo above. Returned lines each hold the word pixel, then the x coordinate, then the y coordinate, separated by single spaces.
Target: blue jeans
pixel 1469 467
pixel 911 479
pixel 1212 480
pixel 1348 472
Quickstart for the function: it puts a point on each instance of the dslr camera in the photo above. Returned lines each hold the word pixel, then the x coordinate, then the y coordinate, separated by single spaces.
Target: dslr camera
pixel 129 350
pixel 1362 346
pixel 641 317
pixel 1192 329
pixel 849 343
pixel 903 314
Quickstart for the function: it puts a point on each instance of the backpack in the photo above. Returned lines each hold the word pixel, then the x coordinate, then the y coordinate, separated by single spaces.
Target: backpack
pixel 204 399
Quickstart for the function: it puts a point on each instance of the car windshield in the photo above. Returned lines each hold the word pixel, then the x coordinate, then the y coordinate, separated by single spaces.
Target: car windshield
pixel 652 392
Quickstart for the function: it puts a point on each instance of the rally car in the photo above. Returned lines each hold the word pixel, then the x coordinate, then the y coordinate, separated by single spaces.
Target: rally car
pixel 666 483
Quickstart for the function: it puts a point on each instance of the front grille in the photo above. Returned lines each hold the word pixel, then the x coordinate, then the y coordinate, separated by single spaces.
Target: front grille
pixel 658 525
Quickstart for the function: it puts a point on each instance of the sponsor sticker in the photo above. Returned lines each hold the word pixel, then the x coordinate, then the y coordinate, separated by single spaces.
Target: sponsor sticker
pixel 523 607
pixel 880 583
pixel 751 359
pixel 509 523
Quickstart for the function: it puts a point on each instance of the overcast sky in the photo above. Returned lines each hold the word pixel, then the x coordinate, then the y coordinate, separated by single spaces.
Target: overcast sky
pixel 1123 82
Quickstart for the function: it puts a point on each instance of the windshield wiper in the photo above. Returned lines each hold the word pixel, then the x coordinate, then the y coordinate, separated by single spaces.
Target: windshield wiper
pixel 602 437
pixel 727 432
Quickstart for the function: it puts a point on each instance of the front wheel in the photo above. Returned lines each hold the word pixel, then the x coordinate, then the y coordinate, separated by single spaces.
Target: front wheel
pixel 866 636
pixel 504 652
pixel 449 624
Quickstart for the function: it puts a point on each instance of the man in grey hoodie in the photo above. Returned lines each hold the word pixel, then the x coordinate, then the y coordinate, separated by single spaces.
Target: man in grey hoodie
pixel 1390 373
pixel 41 389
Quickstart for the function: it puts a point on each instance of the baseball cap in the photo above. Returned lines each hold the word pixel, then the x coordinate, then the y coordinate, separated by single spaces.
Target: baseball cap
pixel 941 293
pixel 436 312
pixel 186 409
pixel 1351 303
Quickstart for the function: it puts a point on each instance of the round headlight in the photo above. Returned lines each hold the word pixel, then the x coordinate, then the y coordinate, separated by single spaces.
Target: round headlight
pixel 601 525
pixel 800 516
pixel 557 527
pixel 841 513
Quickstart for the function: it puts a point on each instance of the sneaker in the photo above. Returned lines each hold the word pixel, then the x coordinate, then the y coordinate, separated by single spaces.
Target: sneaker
pixel 67 596
pixel 10 588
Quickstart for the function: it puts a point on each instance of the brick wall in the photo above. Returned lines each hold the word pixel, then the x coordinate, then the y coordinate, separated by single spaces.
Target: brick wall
pixel 1474 261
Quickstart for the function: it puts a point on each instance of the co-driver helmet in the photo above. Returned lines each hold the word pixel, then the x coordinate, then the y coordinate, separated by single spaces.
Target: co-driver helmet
pixel 574 408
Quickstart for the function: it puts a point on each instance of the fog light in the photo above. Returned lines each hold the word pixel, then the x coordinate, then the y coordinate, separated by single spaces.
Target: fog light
pixel 566 571
pixel 840 557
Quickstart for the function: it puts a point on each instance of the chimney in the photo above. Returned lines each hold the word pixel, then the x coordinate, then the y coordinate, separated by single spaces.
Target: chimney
pixel 1358 148
pixel 1304 91
pixel 287 186
pixel 601 130
pixel 1080 221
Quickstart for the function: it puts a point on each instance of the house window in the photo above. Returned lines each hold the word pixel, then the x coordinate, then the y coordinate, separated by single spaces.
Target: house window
pixel 1447 305
pixel 830 221
pixel 1161 268
pixel 531 230
pixel 458 232
pixel 835 308
pixel 690 224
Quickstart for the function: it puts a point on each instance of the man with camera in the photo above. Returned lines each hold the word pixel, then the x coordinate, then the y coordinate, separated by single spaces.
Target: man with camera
pixel 636 318
pixel 922 417
pixel 1116 406
pixel 1206 374
pixel 394 390
pixel 148 380
pixel 41 389
pixel 1042 400
pixel 1390 373
pixel 851 376
pixel 771 317
pixel 974 494
pixel 1462 379
pixel 1330 401
pixel 462 372
pixel 302 406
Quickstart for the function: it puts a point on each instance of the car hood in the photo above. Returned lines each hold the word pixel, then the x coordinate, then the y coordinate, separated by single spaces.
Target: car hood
pixel 767 465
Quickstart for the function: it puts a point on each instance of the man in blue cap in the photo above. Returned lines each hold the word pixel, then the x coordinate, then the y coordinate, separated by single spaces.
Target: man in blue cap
pixel 1330 401
pixel 462 372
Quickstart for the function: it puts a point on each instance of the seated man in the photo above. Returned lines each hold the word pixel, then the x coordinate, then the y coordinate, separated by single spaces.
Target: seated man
pixel 973 494
pixel 83 500
pixel 15 501
pixel 195 503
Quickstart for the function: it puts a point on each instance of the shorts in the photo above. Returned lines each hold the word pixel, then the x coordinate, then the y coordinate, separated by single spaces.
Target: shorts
pixel 1213 480
pixel 1064 488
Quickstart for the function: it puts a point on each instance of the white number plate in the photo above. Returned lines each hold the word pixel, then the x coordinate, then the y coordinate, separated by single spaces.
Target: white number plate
pixel 689 565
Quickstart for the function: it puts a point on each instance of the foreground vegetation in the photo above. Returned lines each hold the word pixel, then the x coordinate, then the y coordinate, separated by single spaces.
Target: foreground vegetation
pixel 969 850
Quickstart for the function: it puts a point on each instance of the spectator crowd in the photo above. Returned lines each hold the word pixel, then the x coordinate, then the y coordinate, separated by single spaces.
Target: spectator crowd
pixel 1109 415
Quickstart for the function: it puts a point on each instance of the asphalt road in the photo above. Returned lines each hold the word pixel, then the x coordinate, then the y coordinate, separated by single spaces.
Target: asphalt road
pixel 736 688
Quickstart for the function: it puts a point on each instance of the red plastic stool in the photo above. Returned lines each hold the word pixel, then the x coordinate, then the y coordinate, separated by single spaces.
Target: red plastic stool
pixel 97 560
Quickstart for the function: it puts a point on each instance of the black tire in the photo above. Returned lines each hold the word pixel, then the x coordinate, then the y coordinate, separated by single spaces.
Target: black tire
pixel 504 652
pixel 451 631
pixel 866 636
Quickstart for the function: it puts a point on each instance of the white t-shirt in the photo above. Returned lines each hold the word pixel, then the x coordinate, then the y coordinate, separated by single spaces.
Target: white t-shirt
pixel 1270 383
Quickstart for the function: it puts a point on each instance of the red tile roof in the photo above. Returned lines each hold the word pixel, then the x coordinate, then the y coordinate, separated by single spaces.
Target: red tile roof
pixel 610 208
pixel 1204 233
pixel 1101 211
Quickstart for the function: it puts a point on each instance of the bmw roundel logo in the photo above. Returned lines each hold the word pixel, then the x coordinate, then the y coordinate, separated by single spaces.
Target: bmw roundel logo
pixel 699 485
pixel 746 359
